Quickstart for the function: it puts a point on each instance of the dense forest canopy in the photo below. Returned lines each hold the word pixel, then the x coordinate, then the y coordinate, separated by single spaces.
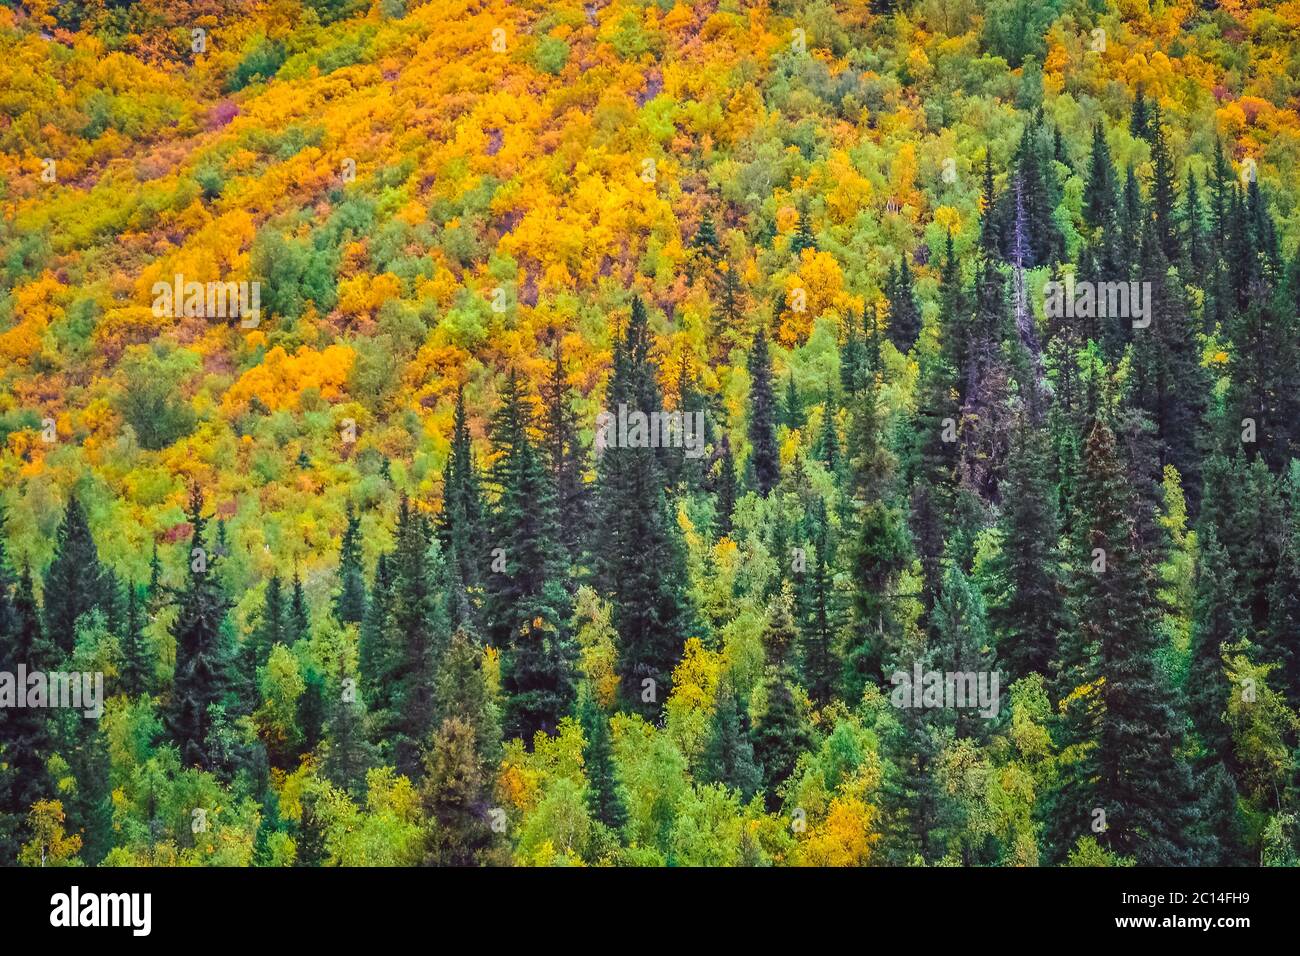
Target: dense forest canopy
pixel 632 432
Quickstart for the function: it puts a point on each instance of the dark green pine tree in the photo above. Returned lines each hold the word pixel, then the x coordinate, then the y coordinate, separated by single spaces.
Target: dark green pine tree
pixel 803 237
pixel 1037 194
pixel 912 804
pixel 1170 383
pixel 938 408
pixel 1197 255
pixel 1164 198
pixel 904 313
pixel 931 462
pixel 25 740
pixel 1101 205
pixel 730 311
pixel 782 732
pixel 419 630
pixel 726 488
pixel 137 670
pixel 1263 233
pixel 32 643
pixel 1139 121
pixel 820 614
pixel 984 423
pixel 156 593
pixel 1223 831
pixel 1129 738
pixel 792 413
pixel 461 524
pixel 1263 399
pixel 114 606
pixel 8 584
pixel 1241 506
pixel 1238 249
pixel 989 228
pixel 880 551
pixel 313 710
pixel 538 675
pixel 1100 191
pixel 347 755
pixel 605 795
pixel 527 606
pixel 1132 212
pixel 559 439
pixel 1029 615
pixel 379 658
pixel 764 460
pixel 960 643
pixel 639 556
pixel 682 472
pixel 1277 642
pixel 828 449
pixel 76 581
pixel 706 247
pixel 729 754
pixel 272 629
pixel 202 676
pixel 1221 186
pixel 868 451
pixel 1218 624
pixel 350 601
pixel 298 623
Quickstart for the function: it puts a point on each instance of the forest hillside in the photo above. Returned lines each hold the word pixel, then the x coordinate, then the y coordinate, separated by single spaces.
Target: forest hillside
pixel 636 432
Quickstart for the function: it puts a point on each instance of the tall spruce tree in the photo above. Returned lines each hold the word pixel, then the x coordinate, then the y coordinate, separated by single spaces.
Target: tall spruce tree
pixel 350 601
pixel 880 551
pixel 764 459
pixel 1196 255
pixel 202 676
pixel 1126 734
pixel 1218 626
pixel 606 798
pixel 729 754
pixel 1164 198
pixel 904 314
pixel 378 651
pixel 803 237
pixel 1100 191
pixel 639 556
pixel 298 622
pixel 137 671
pixel 527 606
pixel 820 614
pixel 461 524
pixel 1170 384
pixel 25 738
pixel 960 644
pixel 76 581
pixel 792 412
pixel 419 628
pixel 559 439
pixel 781 733
pixel 984 425
pixel 725 482
pixel 1030 614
